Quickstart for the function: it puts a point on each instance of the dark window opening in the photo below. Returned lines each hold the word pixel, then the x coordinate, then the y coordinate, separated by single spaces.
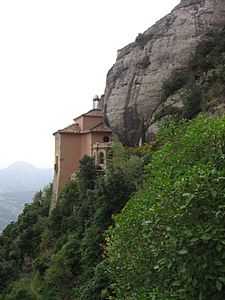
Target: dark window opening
pixel 101 158
pixel 105 139
pixel 56 164
pixel 110 154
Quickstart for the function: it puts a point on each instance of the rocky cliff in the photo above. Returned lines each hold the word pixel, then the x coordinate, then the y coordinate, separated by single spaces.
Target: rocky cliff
pixel 134 84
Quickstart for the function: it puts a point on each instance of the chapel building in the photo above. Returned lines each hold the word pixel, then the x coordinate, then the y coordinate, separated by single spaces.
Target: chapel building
pixel 88 135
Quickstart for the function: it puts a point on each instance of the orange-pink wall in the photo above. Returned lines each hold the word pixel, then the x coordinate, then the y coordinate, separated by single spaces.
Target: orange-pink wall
pixel 72 149
pixel 91 121
pixel 70 156
pixel 98 136
pixel 86 144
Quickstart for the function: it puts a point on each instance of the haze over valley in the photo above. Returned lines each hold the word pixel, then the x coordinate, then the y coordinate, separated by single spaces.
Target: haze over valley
pixel 18 184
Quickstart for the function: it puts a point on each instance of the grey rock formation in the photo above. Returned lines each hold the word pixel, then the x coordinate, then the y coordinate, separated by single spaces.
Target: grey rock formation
pixel 134 83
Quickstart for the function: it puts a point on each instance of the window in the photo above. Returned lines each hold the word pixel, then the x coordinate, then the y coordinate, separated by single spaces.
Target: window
pixel 110 154
pixel 56 164
pixel 95 156
pixel 101 158
pixel 106 139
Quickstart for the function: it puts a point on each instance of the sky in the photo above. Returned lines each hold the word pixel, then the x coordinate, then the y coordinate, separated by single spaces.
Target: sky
pixel 54 57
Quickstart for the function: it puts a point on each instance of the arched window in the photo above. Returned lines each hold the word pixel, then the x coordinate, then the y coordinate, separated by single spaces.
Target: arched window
pixel 110 154
pixel 101 158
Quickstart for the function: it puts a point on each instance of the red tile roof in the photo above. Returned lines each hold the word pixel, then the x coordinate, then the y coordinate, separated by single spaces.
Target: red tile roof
pixel 92 113
pixel 100 127
pixel 74 128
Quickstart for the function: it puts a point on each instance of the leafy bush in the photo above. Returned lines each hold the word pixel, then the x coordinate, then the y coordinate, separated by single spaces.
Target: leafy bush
pixel 193 100
pixel 168 242
pixel 144 62
pixel 175 82
pixel 142 39
pixel 169 111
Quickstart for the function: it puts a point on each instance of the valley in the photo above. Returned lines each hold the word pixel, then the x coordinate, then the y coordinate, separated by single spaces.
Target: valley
pixel 11 205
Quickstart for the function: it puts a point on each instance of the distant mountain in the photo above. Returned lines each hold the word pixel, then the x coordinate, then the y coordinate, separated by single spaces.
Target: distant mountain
pixel 18 184
pixel 22 176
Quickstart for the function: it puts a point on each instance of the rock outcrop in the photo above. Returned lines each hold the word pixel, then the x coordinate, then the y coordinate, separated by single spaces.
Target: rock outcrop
pixel 134 83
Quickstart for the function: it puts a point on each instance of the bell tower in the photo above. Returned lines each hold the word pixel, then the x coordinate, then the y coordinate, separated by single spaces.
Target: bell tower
pixel 96 102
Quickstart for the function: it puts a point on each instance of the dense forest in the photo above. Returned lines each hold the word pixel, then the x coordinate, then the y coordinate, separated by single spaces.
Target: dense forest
pixel 152 226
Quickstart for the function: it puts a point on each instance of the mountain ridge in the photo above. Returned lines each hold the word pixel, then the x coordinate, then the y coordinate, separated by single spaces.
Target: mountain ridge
pixel 22 176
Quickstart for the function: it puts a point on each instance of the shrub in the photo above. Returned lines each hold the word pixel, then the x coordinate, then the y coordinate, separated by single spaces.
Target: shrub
pixel 142 39
pixel 193 99
pixel 168 242
pixel 175 82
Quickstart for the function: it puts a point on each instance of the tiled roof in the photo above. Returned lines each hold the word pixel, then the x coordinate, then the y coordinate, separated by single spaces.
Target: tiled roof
pixel 92 113
pixel 74 128
pixel 100 127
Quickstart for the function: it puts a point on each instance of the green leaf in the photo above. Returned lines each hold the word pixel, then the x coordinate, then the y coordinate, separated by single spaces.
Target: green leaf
pixel 222 279
pixel 219 285
pixel 218 263
pixel 183 251
pixel 214 193
pixel 188 233
pixel 219 247
pixel 156 267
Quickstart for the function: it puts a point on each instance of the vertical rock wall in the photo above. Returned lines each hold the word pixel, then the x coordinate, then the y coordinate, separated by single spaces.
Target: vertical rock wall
pixel 134 83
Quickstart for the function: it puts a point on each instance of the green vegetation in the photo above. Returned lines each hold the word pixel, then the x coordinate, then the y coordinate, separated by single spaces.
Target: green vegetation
pixel 168 241
pixel 202 83
pixel 61 256
pixel 175 82
pixel 142 38
pixel 151 227
pixel 144 62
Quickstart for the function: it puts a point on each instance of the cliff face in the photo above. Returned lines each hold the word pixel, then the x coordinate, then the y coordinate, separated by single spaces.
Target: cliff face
pixel 134 83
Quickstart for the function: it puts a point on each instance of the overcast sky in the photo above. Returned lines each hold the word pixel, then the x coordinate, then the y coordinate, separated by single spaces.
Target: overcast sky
pixel 54 57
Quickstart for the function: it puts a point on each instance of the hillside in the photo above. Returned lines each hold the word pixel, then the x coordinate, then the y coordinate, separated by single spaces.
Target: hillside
pixel 146 229
pixel 168 242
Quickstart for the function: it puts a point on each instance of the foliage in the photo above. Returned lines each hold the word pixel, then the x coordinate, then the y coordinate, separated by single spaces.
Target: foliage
pixel 175 82
pixel 20 241
pixel 18 293
pixel 142 39
pixel 168 241
pixel 193 99
pixel 63 253
pixel 143 132
pixel 144 62
pixel 177 112
pixel 202 83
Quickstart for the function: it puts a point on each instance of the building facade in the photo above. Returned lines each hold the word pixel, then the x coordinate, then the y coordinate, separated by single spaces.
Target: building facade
pixel 88 135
